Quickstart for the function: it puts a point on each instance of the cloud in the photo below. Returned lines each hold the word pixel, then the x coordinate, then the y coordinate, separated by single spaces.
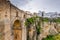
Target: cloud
pixel 36 5
pixel 19 2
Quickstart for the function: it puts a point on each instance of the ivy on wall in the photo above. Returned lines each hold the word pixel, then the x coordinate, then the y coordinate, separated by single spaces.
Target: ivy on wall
pixel 29 21
pixel 38 28
pixel 32 21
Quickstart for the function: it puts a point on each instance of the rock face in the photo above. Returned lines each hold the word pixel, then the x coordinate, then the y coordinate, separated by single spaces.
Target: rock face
pixel 48 29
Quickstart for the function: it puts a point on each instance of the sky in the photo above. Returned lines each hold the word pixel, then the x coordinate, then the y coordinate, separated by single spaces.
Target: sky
pixel 38 5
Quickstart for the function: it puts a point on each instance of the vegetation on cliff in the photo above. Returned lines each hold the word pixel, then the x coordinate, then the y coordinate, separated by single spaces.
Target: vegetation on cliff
pixel 52 37
pixel 32 21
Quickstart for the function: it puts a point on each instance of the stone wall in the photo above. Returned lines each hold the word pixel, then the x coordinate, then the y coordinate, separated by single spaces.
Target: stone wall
pixel 9 13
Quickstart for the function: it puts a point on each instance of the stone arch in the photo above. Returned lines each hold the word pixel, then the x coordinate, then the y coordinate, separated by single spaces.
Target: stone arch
pixel 14 19
pixel 17 30
pixel 31 33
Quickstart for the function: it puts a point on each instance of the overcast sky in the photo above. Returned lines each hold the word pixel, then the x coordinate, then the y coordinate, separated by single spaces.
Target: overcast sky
pixel 36 5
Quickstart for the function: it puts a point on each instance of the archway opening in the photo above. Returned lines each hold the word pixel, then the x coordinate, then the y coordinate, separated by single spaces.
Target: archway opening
pixel 17 30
